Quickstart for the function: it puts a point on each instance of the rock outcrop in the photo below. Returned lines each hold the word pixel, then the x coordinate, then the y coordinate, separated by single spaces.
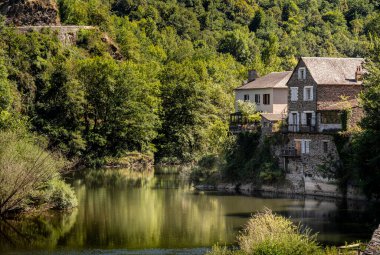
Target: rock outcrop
pixel 373 247
pixel 30 12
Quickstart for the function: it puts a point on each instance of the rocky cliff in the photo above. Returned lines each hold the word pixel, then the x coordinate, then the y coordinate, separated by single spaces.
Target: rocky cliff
pixel 30 12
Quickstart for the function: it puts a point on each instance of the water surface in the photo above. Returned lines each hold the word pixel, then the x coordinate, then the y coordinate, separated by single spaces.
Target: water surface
pixel 121 212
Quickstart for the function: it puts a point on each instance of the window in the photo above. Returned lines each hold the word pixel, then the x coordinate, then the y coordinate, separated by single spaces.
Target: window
pixel 293 94
pixel 257 99
pixel 302 73
pixel 246 97
pixel 325 146
pixel 308 93
pixel 303 146
pixel 266 99
pixel 330 117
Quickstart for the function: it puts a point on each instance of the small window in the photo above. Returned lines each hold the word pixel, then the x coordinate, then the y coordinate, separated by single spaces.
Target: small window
pixel 302 73
pixel 325 146
pixel 306 146
pixel 308 93
pixel 266 99
pixel 246 97
pixel 257 99
pixel 293 94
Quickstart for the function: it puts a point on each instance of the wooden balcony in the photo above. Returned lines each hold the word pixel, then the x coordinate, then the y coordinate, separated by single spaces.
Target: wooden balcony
pixel 290 152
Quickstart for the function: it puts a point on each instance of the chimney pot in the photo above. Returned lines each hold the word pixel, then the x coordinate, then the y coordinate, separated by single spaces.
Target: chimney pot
pixel 359 73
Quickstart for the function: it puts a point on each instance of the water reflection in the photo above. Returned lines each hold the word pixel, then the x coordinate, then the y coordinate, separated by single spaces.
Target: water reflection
pixel 160 213
pixel 42 232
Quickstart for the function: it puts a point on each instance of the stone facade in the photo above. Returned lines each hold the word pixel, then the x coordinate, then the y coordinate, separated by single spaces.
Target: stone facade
pixel 301 105
pixel 333 93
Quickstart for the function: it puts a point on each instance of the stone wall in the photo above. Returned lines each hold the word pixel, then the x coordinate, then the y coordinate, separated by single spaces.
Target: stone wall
pixel 300 105
pixel 333 93
pixel 310 164
pixel 374 245
pixel 66 34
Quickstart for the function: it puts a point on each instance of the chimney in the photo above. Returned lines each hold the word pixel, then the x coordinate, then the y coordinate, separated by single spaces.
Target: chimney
pixel 252 75
pixel 359 73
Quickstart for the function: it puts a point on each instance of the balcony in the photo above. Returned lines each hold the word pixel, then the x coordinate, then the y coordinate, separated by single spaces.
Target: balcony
pixel 293 128
pixel 290 152
pixel 240 123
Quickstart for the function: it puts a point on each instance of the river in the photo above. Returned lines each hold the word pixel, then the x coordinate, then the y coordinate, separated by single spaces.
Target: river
pixel 122 212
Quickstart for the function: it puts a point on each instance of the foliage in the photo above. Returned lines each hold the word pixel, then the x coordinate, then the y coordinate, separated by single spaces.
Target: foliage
pixel 170 91
pixel 248 159
pixel 30 176
pixel 267 233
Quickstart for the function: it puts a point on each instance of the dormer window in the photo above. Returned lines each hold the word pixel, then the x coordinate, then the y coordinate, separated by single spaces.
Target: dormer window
pixel 302 73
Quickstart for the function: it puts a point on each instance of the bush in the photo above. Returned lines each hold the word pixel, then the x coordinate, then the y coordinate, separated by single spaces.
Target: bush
pixel 61 196
pixel 29 175
pixel 267 233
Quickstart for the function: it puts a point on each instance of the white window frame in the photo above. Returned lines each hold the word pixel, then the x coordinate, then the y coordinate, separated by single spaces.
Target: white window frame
pixel 244 96
pixel 311 93
pixel 294 92
pixel 303 118
pixel 302 73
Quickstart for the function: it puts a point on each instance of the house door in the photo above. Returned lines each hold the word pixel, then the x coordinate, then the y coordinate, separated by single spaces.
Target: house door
pixel 308 118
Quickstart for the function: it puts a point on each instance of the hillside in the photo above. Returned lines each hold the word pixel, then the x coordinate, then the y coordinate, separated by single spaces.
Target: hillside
pixel 30 12
pixel 169 90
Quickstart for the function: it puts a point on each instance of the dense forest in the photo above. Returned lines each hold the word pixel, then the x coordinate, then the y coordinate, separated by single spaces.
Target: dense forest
pixel 165 87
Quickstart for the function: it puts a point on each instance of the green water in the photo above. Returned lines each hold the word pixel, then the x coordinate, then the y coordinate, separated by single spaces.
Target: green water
pixel 121 212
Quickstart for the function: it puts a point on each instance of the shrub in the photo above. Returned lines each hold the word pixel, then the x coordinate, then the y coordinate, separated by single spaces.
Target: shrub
pixel 267 233
pixel 27 173
pixel 61 196
pixel 270 234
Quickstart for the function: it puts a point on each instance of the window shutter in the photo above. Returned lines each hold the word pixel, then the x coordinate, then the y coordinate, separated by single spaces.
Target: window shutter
pixel 290 121
pixel 313 119
pixel 303 118
pixel 303 147
pixel 293 94
pixel 311 94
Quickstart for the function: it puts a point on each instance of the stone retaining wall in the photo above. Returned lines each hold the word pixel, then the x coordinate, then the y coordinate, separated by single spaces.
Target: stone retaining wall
pixel 374 245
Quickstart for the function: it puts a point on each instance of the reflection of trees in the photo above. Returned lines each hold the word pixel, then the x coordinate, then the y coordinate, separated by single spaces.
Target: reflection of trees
pixel 38 232
pixel 162 213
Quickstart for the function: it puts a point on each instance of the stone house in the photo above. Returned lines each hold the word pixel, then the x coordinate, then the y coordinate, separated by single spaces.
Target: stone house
pixel 320 92
pixel 269 92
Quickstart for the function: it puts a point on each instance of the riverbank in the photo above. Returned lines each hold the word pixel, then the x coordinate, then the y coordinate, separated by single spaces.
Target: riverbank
pixel 290 187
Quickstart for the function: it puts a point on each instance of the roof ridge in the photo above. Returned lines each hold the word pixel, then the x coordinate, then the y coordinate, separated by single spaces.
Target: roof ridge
pixel 333 57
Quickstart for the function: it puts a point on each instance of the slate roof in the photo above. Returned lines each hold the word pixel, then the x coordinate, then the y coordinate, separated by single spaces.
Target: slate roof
pixel 334 71
pixel 272 80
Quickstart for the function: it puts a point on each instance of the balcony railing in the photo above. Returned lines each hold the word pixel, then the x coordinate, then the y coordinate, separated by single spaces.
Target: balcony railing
pixel 293 128
pixel 290 152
